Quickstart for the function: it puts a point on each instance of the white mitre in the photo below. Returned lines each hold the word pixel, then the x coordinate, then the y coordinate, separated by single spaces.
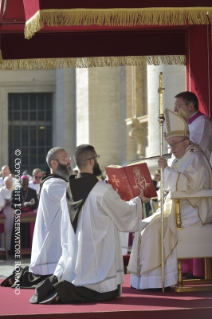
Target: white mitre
pixel 175 124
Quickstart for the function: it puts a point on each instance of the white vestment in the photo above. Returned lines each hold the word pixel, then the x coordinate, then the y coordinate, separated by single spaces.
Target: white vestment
pixel 189 174
pixel 124 239
pixel 201 134
pixel 92 257
pixel 9 213
pixel 46 245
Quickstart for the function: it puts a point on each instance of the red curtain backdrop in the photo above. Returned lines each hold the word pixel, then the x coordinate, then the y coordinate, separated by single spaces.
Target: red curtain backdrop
pixel 91 44
pixel 155 41
pixel 199 65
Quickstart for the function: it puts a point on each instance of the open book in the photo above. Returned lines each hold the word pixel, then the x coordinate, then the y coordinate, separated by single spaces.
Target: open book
pixel 129 180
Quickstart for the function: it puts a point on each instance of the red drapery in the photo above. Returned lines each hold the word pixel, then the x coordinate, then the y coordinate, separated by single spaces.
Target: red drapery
pixel 32 6
pixel 199 65
pixel 93 41
pixel 114 13
pixel 91 44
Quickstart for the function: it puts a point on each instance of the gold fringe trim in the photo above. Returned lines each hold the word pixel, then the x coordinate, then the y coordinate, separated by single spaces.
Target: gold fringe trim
pixel 117 17
pixel 60 63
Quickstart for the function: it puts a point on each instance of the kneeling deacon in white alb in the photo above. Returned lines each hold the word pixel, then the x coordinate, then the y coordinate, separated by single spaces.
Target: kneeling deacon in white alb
pixel 91 266
pixel 46 246
pixel 190 172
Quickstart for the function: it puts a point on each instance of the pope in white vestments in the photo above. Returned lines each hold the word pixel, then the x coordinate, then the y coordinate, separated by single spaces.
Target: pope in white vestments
pixel 189 173
pixel 200 128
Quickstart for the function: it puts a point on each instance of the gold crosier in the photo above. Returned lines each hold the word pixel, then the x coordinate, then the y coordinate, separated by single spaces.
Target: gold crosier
pixel 161 120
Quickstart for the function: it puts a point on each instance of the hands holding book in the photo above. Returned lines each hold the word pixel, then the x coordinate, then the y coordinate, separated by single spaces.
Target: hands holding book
pixel 129 180
pixel 143 198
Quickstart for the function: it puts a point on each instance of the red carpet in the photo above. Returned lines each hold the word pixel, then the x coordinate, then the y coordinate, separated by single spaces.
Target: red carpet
pixel 133 303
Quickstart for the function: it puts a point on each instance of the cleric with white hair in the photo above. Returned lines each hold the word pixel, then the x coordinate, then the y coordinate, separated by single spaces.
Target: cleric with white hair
pixel 190 172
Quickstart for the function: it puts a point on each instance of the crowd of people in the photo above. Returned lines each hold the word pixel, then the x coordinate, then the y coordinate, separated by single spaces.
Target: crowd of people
pixel 76 249
pixel 29 195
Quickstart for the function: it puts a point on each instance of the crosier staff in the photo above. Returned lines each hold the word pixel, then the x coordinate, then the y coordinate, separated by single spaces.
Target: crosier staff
pixel 161 120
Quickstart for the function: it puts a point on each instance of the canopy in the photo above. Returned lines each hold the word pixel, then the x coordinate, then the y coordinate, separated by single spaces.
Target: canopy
pixel 64 44
pixel 114 13
pixel 86 33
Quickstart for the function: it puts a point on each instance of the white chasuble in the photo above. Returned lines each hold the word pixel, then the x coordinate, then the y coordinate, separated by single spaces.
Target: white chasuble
pixel 189 174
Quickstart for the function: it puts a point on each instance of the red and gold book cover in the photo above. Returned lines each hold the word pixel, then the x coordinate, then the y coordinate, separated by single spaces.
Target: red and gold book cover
pixel 139 178
pixel 129 180
pixel 119 181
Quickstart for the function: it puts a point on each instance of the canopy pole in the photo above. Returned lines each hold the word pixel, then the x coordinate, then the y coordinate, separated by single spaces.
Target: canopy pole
pixel 161 120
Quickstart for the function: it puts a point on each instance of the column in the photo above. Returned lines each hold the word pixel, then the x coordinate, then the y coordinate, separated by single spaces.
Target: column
pixel 101 112
pixel 64 115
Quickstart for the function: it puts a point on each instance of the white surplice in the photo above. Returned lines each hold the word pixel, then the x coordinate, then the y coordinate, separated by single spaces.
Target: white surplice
pixel 46 245
pixel 92 257
pixel 201 134
pixel 189 174
pixel 5 194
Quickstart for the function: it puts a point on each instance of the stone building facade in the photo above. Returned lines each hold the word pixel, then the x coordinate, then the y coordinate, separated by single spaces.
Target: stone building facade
pixel 114 109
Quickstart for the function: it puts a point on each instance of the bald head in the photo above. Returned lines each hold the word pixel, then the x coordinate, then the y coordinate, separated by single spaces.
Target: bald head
pixel 5 171
pixel 8 182
pixel 52 155
pixel 59 162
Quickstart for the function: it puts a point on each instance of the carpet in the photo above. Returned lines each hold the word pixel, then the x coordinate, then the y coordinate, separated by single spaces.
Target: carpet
pixel 134 303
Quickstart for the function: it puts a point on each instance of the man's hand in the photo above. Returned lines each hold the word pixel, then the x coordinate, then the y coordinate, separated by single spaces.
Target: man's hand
pixel 143 198
pixel 29 204
pixel 162 162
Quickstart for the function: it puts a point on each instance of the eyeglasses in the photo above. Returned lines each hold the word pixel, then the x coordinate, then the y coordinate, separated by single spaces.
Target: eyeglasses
pixel 175 144
pixel 38 177
pixel 97 156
